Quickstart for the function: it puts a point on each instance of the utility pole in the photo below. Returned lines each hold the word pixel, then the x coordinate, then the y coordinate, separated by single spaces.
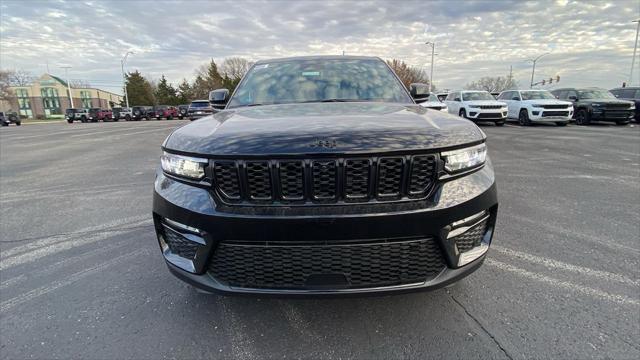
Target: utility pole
pixel 124 78
pixel 66 75
pixel 510 74
pixel 433 49
pixel 533 70
pixel 635 47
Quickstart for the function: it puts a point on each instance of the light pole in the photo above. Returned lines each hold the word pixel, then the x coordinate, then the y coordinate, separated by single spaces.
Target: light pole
pixel 66 75
pixel 124 78
pixel 635 47
pixel 433 49
pixel 533 70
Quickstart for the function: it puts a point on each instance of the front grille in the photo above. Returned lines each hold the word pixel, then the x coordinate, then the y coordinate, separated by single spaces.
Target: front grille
pixel 491 106
pixel 348 180
pixel 618 106
pixel 555 106
pixel 621 114
pixel 179 245
pixel 490 116
pixel 472 237
pixel 330 266
pixel 555 113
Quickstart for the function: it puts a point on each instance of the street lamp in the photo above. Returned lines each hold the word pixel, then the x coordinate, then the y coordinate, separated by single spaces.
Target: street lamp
pixel 635 47
pixel 124 78
pixel 66 75
pixel 533 70
pixel 433 49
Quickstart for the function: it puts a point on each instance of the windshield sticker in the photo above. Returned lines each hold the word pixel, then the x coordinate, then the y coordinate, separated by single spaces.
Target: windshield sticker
pixel 311 73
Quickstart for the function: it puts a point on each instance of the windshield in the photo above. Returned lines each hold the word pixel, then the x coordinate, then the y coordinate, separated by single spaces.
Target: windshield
pixel 200 104
pixel 595 94
pixel 317 80
pixel 477 95
pixel 536 95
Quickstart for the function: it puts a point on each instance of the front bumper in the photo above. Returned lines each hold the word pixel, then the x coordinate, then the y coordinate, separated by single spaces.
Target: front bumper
pixel 550 115
pixel 450 202
pixel 487 114
pixel 600 114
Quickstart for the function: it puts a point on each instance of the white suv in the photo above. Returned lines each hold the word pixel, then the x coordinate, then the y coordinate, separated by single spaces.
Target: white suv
pixel 536 106
pixel 477 106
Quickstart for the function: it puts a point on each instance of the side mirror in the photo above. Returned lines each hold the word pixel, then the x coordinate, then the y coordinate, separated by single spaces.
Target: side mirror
pixel 573 98
pixel 219 98
pixel 419 92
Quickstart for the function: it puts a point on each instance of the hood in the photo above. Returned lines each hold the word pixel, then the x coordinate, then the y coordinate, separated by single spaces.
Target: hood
pixel 312 128
pixel 547 102
pixel 433 104
pixel 484 102
pixel 607 101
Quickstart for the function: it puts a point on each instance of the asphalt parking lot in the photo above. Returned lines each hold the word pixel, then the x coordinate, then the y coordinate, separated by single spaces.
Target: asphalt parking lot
pixel 81 275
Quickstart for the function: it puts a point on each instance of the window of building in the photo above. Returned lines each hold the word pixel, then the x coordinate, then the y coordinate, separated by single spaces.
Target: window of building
pixel 24 103
pixel 50 101
pixel 85 97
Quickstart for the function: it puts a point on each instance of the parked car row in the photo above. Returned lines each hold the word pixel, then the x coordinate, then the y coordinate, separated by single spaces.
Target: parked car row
pixel 559 106
pixel 193 111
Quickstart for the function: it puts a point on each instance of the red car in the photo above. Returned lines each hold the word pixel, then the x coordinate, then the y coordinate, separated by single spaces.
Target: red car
pixel 97 114
pixel 165 111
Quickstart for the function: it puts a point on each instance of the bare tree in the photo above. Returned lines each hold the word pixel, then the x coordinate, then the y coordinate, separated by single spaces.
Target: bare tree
pixel 408 74
pixel 493 84
pixel 79 84
pixel 5 83
pixel 21 78
pixel 235 67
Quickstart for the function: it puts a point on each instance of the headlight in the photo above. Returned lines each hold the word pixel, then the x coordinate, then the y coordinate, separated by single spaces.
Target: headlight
pixel 464 159
pixel 536 105
pixel 188 167
pixel 474 106
pixel 633 107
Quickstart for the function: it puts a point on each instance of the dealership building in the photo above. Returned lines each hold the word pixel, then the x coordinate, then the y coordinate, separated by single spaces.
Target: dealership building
pixel 48 96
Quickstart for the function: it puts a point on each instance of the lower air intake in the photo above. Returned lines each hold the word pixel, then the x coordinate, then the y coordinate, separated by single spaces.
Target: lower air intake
pixel 292 267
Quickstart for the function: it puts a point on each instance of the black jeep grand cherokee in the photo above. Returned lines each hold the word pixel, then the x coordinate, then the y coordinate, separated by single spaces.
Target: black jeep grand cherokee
pixel 322 176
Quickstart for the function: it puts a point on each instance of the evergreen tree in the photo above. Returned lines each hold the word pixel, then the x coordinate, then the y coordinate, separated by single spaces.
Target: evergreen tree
pixel 139 90
pixel 207 79
pixel 165 93
pixel 184 92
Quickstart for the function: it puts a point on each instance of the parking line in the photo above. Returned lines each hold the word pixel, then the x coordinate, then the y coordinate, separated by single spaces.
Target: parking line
pixel 43 290
pixel 554 264
pixel 620 299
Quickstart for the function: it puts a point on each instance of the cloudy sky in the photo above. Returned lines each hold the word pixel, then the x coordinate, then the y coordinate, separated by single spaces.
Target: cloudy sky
pixel 590 43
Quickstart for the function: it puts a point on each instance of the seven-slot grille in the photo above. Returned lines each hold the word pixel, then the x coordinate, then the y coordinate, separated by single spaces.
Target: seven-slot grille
pixel 351 180
pixel 491 106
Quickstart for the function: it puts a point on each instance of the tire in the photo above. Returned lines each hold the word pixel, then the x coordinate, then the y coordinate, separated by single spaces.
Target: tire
pixel 127 117
pixel 169 117
pixel 561 123
pixel 18 123
pixel 523 118
pixel 5 124
pixel 462 113
pixel 500 123
pixel 115 119
pixel 70 121
pixel 83 119
pixel 583 117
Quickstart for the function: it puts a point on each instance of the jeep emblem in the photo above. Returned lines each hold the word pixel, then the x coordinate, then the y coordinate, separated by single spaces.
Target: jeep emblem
pixel 323 143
